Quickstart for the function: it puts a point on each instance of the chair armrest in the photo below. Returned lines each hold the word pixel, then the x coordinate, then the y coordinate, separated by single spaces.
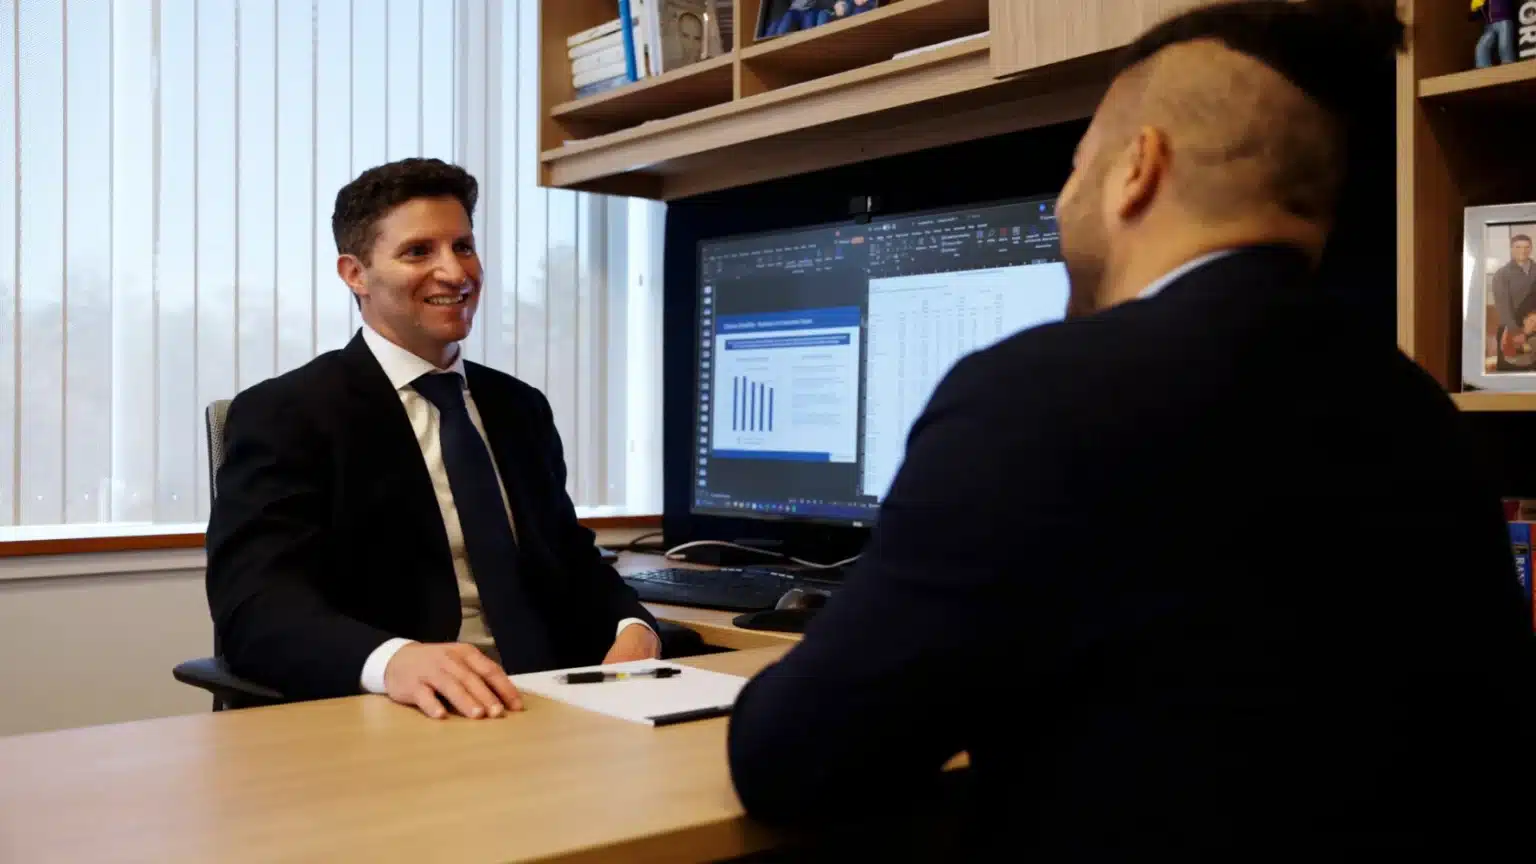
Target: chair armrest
pixel 679 641
pixel 228 689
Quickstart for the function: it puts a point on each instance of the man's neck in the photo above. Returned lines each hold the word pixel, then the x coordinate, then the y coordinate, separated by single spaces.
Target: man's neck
pixel 1157 256
pixel 1155 264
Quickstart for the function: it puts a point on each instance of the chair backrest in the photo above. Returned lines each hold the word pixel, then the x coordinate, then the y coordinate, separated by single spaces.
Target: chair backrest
pixel 214 417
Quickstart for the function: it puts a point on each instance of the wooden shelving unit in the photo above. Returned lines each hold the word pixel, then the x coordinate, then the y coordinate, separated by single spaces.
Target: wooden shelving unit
pixel 1513 83
pixel 1487 400
pixel 1460 144
pixel 836 95
pixel 866 40
pixel 820 98
pixel 706 83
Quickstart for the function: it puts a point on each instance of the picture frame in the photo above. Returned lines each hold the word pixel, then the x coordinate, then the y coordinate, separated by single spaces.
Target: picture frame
pixel 777 18
pixel 1498 343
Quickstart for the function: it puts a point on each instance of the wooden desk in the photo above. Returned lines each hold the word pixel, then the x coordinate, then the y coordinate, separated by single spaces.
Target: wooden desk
pixel 716 627
pixel 713 624
pixel 362 779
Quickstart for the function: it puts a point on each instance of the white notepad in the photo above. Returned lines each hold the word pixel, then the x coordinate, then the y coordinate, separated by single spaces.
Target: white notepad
pixel 694 694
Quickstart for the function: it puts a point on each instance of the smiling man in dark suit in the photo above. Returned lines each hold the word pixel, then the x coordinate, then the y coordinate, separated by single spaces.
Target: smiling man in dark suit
pixel 393 519
pixel 1217 580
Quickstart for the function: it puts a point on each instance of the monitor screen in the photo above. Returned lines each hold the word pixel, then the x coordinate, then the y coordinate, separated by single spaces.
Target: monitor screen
pixel 819 347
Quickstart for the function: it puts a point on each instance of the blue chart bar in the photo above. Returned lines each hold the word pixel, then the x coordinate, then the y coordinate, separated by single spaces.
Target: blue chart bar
pixel 751 406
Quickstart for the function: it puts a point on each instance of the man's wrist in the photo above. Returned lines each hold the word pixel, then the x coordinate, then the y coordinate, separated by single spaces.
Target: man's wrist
pixel 372 679
pixel 628 622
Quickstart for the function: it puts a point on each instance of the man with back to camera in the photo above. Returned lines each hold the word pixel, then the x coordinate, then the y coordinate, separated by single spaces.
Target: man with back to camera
pixel 1197 586
pixel 1515 282
pixel 393 519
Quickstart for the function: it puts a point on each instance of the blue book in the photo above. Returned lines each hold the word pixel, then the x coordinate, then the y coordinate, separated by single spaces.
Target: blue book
pixel 1520 541
pixel 627 27
pixel 601 86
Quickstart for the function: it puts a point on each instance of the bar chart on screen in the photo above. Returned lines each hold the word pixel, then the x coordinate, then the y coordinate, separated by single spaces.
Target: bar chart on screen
pixel 752 405
pixel 787 385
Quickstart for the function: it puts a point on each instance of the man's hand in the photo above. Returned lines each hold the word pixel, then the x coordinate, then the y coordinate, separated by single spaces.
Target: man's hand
pixel 468 680
pixel 635 642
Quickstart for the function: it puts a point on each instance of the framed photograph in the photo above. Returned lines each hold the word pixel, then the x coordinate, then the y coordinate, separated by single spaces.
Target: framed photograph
pixel 782 17
pixel 1498 336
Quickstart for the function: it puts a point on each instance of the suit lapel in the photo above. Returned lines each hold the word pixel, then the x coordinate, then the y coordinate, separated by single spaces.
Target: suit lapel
pixel 382 434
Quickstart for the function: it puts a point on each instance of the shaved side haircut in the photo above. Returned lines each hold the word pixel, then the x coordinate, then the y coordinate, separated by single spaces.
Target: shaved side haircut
pixel 1256 105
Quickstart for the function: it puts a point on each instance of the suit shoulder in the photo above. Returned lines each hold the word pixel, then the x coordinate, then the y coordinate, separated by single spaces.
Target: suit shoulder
pixel 507 386
pixel 318 381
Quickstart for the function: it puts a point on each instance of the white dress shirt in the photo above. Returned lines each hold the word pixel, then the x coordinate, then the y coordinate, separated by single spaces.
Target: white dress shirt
pixel 402 367
pixel 1181 271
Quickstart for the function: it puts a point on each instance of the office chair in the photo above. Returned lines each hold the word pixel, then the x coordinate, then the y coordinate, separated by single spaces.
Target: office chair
pixel 212 673
pixel 230 691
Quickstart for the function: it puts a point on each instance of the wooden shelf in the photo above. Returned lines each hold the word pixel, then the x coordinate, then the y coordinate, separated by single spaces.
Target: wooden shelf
pixel 864 40
pixel 728 133
pixel 1514 83
pixel 680 91
pixel 1488 400
pixel 829 96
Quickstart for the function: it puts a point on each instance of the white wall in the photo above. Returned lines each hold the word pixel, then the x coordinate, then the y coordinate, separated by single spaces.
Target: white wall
pixel 89 639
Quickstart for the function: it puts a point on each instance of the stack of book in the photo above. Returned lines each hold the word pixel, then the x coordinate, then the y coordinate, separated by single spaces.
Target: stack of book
pixel 662 35
pixel 598 60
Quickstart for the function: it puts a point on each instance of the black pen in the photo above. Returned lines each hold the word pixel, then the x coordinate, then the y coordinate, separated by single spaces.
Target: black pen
pixel 600 677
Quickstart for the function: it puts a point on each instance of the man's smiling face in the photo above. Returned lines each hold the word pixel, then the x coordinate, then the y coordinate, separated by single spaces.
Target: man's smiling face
pixel 421 284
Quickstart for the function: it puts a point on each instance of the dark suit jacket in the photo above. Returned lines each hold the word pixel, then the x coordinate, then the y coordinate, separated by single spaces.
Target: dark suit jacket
pixel 1204 572
pixel 326 538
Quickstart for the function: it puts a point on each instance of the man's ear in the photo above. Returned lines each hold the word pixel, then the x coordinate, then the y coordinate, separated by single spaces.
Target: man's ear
pixel 350 269
pixel 1143 171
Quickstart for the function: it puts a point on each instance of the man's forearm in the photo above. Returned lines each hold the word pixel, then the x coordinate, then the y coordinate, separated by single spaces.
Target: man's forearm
pixel 288 641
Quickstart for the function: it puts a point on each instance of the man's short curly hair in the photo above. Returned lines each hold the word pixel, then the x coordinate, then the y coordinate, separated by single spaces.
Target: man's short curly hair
pixel 363 202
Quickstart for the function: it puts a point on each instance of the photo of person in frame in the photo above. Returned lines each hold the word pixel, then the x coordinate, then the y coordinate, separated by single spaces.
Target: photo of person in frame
pixel 1517 345
pixel 782 17
pixel 1511 297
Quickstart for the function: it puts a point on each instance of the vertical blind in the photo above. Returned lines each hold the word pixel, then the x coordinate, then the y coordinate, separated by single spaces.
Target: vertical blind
pixel 167 172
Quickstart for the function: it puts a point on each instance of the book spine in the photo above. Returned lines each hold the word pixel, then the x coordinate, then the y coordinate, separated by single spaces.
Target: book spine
pixel 1526 16
pixel 651 21
pixel 604 29
pixel 1520 543
pixel 627 27
pixel 601 86
pixel 610 42
pixel 610 57
pixel 601 74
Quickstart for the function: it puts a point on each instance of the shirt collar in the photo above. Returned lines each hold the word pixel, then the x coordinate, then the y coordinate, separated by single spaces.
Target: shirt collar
pixel 402 367
pixel 1181 271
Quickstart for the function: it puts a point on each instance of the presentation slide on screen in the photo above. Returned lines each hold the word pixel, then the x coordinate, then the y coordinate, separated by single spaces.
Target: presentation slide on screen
pixel 920 326
pixel 785 385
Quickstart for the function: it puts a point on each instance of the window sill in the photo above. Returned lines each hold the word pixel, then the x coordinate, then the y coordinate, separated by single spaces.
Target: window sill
pixel 92 539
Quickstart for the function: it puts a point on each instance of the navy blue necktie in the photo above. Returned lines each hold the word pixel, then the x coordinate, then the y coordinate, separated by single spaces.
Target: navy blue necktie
pixel 520 636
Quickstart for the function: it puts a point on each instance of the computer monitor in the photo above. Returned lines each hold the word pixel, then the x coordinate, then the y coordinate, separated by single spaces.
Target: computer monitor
pixel 819 347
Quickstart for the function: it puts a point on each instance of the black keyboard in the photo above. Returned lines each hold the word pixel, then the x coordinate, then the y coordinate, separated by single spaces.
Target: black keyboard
pixel 738 590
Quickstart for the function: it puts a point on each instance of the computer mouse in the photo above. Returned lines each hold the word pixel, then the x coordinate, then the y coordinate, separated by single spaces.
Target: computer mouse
pixel 802 598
